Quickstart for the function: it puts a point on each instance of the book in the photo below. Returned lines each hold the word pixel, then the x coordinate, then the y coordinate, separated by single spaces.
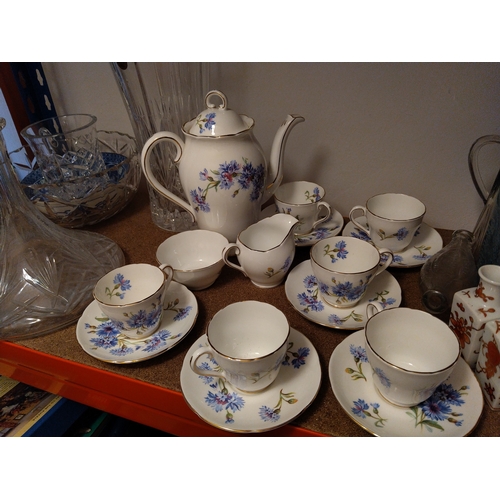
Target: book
pixel 26 411
pixel 43 409
pixel 56 419
pixel 18 402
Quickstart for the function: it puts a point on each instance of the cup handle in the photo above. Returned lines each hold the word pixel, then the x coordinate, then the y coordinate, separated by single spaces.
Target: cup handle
pixel 387 263
pixel 324 218
pixel 168 272
pixel 372 308
pixel 203 373
pixel 354 221
pixel 225 256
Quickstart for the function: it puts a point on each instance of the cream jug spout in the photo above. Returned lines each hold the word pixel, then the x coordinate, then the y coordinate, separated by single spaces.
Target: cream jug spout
pixel 275 175
pixel 272 232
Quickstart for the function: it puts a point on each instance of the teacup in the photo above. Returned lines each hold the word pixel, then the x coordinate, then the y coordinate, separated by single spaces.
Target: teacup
pixel 344 267
pixel 265 250
pixel 393 219
pixel 248 340
pixel 132 297
pixel 304 200
pixel 411 353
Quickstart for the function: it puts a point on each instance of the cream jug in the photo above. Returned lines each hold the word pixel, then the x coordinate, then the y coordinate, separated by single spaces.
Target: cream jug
pixel 265 250
pixel 222 169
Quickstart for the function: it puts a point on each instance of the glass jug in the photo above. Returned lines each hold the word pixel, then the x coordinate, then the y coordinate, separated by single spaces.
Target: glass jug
pixel 486 245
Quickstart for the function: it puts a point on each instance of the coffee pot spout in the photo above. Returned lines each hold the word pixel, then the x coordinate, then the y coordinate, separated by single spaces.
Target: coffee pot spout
pixel 275 175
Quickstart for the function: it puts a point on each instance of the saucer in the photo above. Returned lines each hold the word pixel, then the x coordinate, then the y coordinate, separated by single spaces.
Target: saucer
pixel 286 398
pixel 331 227
pixel 425 244
pixel 99 338
pixel 456 414
pixel 302 292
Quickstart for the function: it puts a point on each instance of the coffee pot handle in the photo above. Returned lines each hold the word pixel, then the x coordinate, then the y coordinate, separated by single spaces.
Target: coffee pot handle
pixel 153 141
pixel 474 164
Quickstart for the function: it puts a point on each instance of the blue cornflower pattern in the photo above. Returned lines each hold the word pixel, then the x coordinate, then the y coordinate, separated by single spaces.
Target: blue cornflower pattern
pixel 121 286
pixel 268 414
pixel 301 356
pixel 183 313
pixel 402 234
pixel 198 199
pixel 384 379
pixel 339 251
pixel 310 298
pixel 122 282
pixel 205 124
pixel 362 409
pixel 105 339
pixel 298 357
pixel 439 408
pixel 359 355
pixel 361 235
pixel 243 176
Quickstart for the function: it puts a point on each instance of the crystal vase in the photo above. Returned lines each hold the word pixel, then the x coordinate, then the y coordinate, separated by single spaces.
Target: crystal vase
pixel 163 96
pixel 47 273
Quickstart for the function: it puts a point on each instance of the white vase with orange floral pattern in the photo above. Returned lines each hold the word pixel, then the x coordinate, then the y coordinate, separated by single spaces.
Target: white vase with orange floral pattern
pixel 488 363
pixel 472 308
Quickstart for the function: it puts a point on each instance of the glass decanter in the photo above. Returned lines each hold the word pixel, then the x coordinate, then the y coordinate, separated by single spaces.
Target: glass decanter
pixel 47 273
pixel 451 269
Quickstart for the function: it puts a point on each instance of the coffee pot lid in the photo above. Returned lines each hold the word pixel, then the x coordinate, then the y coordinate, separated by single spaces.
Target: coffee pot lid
pixel 217 120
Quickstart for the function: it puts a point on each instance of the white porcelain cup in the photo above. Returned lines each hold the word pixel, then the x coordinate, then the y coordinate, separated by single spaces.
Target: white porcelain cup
pixel 392 219
pixel 248 341
pixel 265 250
pixel 305 201
pixel 132 297
pixel 195 256
pixel 410 352
pixel 344 267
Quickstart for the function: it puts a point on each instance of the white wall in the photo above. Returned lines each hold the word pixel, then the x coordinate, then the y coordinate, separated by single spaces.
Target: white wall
pixel 369 127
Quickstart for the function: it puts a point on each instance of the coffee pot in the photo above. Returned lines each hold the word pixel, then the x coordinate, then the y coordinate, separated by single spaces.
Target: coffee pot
pixel 222 168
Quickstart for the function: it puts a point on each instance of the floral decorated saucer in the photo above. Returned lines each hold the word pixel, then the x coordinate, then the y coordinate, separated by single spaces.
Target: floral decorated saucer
pixel 453 410
pixel 302 291
pixel 99 337
pixel 286 398
pixel 331 227
pixel 426 243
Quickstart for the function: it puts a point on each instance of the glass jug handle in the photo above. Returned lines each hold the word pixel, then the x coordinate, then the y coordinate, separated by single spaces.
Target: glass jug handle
pixel 474 163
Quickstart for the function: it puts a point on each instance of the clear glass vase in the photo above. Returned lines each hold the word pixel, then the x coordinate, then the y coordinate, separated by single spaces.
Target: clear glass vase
pixel 163 96
pixel 47 273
